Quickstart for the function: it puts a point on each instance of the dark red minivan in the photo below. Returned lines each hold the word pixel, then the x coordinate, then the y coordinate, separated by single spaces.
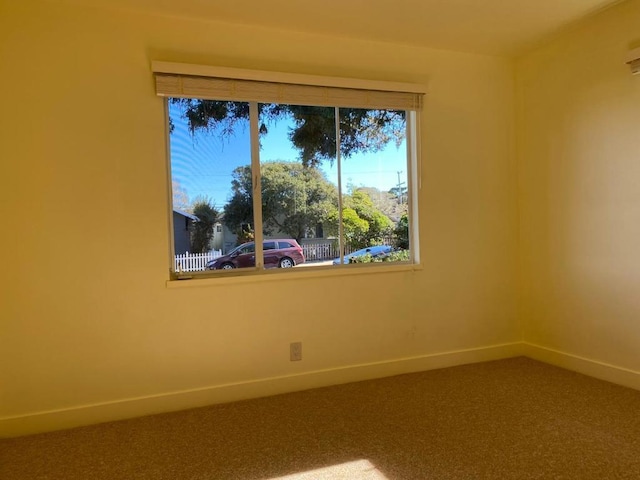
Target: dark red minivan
pixel 278 253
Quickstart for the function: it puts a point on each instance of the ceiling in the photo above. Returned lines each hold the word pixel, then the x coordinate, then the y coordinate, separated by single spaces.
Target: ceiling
pixel 494 27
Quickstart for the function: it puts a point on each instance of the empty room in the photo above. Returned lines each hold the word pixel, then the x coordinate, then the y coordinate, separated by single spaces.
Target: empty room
pixel 291 240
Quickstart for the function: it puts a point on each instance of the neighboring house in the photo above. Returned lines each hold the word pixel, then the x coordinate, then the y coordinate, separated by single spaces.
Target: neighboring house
pixel 223 238
pixel 182 222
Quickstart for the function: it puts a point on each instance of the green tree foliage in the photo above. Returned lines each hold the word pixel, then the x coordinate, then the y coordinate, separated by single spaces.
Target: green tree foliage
pixel 238 212
pixel 354 228
pixel 379 224
pixel 313 133
pixel 294 198
pixel 362 223
pixel 203 229
pixel 401 232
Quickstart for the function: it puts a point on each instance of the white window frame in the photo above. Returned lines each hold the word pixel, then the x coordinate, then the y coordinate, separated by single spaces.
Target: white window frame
pixel 412 141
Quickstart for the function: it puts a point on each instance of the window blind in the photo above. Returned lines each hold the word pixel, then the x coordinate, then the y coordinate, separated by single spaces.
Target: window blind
pixel 239 89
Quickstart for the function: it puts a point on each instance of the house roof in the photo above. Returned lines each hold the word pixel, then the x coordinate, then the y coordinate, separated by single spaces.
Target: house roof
pixel 186 214
pixel 495 27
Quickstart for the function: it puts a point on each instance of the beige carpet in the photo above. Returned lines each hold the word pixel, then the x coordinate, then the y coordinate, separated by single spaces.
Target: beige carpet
pixel 509 419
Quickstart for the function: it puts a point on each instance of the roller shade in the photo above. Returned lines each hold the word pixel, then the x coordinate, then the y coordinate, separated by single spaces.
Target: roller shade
pixel 235 89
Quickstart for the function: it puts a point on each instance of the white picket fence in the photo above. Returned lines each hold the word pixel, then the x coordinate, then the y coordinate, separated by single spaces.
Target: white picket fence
pixel 322 251
pixel 195 262
pixel 328 250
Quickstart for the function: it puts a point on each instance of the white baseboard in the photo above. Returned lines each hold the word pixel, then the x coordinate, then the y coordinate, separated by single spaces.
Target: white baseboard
pixel 592 368
pixel 38 422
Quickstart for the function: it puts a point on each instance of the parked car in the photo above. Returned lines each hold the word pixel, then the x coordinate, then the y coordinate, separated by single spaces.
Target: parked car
pixel 282 253
pixel 376 251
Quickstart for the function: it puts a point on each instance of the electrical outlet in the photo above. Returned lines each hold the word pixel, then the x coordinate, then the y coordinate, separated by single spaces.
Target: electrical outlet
pixel 295 351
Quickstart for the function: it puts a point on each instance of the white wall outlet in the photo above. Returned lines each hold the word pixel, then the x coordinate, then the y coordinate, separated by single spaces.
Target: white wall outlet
pixel 295 351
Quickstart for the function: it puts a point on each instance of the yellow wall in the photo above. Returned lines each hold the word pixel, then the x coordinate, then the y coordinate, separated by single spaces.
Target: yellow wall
pixel 579 183
pixel 87 319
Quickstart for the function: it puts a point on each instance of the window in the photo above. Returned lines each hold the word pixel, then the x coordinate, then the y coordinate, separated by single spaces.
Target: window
pixel 249 248
pixel 327 172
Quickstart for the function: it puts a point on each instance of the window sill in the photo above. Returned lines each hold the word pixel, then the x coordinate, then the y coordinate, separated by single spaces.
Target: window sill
pixel 299 273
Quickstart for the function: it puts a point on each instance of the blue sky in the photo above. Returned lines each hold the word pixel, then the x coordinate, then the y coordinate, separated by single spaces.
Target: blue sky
pixel 202 164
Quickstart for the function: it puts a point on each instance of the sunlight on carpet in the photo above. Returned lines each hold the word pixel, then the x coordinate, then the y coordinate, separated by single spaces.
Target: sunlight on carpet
pixel 356 470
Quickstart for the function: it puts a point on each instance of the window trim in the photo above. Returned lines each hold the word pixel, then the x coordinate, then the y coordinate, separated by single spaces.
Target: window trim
pixel 413 158
pixel 247 275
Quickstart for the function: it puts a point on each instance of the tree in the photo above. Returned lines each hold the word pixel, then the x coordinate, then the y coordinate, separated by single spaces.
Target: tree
pixel 400 194
pixel 313 134
pixel 354 228
pixel 180 196
pixel 363 224
pixel 379 224
pixel 294 199
pixel 202 233
pixel 402 232
pixel 386 202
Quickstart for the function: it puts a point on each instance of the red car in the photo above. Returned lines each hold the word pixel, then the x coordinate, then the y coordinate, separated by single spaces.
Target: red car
pixel 282 253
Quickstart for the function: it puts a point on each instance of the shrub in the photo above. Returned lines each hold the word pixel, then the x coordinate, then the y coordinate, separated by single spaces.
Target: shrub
pixel 396 256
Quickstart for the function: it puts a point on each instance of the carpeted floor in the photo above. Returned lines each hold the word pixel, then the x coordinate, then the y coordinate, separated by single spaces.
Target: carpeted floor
pixel 508 419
